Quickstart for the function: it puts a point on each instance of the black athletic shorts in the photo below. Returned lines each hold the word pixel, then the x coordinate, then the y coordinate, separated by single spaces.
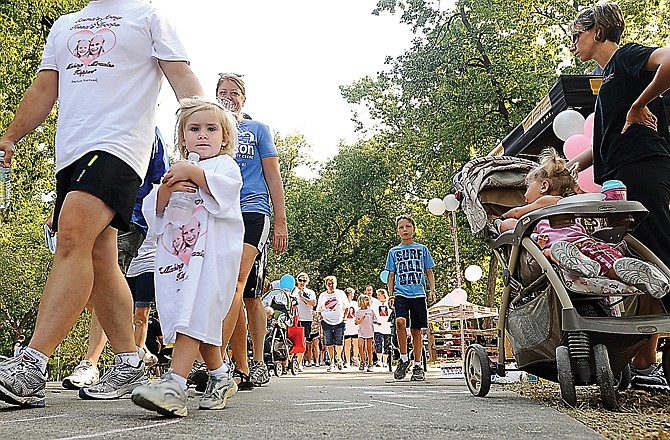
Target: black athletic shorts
pixel 256 233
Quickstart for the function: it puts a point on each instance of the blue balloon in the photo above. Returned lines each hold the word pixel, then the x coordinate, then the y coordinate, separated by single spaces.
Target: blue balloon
pixel 384 276
pixel 287 282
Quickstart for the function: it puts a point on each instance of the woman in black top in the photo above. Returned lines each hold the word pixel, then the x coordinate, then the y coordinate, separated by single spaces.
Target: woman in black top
pixel 630 137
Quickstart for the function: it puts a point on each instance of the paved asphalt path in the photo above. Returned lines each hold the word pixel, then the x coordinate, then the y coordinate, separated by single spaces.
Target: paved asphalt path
pixel 312 405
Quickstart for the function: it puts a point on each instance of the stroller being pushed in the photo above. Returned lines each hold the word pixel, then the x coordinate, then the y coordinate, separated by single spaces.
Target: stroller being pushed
pixel 563 328
pixel 279 352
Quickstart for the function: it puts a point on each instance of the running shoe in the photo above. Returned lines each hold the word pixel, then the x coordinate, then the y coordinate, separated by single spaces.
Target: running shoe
pixel 338 364
pixel 650 378
pixel 149 359
pixel 258 372
pixel 418 373
pixel 568 257
pixel 401 370
pixel 84 375
pixel 361 366
pixel 370 368
pixel 165 396
pixel 217 392
pixel 198 376
pixel 245 383
pixel 642 275
pixel 117 381
pixel 22 382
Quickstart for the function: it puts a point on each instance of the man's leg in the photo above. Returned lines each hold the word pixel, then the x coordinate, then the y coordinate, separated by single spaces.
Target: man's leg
pixel 257 325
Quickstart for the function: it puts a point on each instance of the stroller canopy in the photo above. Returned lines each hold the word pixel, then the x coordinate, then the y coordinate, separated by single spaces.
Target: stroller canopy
pixel 491 185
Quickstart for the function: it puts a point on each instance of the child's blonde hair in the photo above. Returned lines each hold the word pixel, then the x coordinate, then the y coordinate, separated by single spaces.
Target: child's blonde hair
pixel 189 106
pixel 553 168
pixel 361 300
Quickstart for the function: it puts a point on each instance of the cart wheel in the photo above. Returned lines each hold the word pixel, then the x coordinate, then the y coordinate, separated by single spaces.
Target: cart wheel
pixel 477 370
pixel 294 366
pixel 666 362
pixel 624 379
pixel 279 369
pixel 605 377
pixel 565 378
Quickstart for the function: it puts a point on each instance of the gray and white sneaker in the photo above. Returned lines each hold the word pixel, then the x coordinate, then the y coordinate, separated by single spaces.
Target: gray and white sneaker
pixel 258 373
pixel 149 359
pixel 401 370
pixel 418 373
pixel 117 381
pixel 217 392
pixel 165 396
pixel 568 257
pixel 22 382
pixel 642 275
pixel 84 375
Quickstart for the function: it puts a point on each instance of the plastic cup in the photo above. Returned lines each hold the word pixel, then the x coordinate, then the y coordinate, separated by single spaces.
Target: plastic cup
pixel 614 190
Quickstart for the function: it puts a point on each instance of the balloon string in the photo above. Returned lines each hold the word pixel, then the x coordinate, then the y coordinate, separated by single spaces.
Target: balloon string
pixel 454 232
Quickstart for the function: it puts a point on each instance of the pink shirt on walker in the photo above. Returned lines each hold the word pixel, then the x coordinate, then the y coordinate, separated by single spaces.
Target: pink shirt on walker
pixel 366 329
pixel 571 233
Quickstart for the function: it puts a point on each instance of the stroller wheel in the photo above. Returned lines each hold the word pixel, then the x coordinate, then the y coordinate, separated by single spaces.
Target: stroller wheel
pixel 279 369
pixel 605 377
pixel 477 370
pixel 565 378
pixel 294 366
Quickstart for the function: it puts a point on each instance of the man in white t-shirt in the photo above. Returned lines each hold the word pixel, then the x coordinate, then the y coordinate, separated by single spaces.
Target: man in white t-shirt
pixel 382 331
pixel 106 120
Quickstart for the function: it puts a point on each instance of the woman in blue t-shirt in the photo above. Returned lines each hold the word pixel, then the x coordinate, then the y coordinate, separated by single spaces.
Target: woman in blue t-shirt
pixel 259 163
pixel 630 137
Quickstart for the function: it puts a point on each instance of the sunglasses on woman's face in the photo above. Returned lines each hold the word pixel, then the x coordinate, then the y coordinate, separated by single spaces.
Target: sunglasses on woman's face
pixel 578 33
pixel 302 281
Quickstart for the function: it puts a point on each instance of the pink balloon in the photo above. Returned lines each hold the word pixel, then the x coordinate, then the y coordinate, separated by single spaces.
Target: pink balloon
pixel 586 183
pixel 588 125
pixel 575 144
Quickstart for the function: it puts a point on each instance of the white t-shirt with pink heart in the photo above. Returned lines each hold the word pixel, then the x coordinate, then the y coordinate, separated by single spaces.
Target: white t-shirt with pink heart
pixel 106 56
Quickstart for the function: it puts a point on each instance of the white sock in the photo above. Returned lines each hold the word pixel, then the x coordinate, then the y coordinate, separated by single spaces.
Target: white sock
pixel 132 358
pixel 220 372
pixel 180 380
pixel 417 363
pixel 42 359
pixel 404 357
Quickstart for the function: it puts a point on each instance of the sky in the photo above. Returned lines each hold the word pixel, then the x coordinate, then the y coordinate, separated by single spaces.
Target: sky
pixel 294 55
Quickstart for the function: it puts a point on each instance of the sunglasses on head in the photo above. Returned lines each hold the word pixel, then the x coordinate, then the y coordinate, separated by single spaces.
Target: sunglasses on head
pixel 239 75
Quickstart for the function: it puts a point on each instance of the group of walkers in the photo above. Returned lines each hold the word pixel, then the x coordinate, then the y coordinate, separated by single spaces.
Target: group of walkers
pixel 209 270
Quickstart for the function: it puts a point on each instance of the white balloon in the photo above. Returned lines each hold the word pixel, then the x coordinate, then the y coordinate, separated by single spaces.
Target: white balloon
pixel 436 206
pixel 451 203
pixel 473 273
pixel 567 123
pixel 457 296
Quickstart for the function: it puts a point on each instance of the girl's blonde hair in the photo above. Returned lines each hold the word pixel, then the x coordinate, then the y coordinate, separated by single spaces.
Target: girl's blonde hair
pixel 332 278
pixel 189 106
pixel 553 168
pixel 361 300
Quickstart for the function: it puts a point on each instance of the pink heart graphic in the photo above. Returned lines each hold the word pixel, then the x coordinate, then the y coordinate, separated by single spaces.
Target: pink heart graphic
pixel 87 46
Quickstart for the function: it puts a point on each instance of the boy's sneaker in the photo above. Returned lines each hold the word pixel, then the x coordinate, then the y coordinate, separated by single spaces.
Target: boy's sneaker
pixel 245 383
pixel 401 370
pixel 84 375
pixel 217 392
pixel 258 372
pixel 642 275
pixel 568 257
pixel 22 382
pixel 648 378
pixel 338 363
pixel 117 381
pixel 361 366
pixel 418 373
pixel 370 369
pixel 165 396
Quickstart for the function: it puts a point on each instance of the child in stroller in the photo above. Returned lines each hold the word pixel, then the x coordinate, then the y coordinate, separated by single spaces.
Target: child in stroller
pixel 569 245
pixel 277 348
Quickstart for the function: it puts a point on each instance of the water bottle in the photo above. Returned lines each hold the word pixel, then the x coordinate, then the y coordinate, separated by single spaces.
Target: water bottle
pixel 181 205
pixel 4 183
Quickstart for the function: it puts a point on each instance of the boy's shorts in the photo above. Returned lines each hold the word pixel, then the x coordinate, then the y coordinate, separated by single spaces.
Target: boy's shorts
pixel 143 289
pixel 256 233
pixel 333 334
pixel 106 177
pixel 414 310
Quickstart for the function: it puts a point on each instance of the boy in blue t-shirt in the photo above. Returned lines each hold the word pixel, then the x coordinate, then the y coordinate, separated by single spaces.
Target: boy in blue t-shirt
pixel 409 264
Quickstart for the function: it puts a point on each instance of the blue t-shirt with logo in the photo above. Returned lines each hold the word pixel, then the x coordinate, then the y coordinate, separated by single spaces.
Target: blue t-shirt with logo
pixel 255 144
pixel 409 262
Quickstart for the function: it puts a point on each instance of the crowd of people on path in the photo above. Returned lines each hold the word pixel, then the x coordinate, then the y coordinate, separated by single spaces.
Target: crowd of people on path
pixel 211 298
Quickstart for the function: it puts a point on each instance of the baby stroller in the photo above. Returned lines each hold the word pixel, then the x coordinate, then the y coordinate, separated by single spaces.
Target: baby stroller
pixel 566 330
pixel 278 349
